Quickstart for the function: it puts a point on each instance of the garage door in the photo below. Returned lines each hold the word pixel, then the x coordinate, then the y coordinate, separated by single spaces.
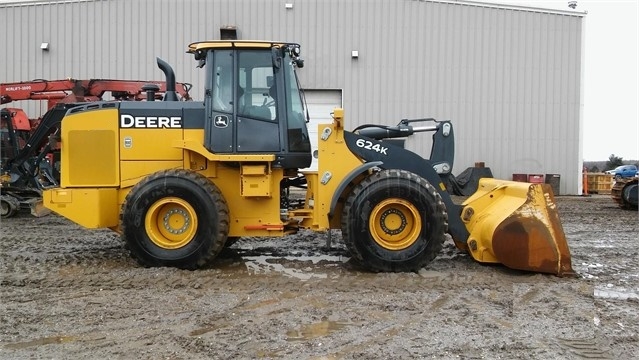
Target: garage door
pixel 320 106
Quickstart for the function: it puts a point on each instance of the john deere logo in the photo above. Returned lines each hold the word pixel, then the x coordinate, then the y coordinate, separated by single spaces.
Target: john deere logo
pixel 154 122
pixel 221 121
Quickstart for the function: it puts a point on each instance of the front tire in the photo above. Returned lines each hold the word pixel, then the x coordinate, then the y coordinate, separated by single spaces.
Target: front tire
pixel 175 218
pixel 394 221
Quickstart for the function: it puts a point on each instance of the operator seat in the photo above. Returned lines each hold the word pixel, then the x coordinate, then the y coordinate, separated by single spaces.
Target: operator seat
pixel 259 112
pixel 263 112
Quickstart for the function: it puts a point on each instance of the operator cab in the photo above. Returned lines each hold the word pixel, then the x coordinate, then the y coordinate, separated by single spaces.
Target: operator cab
pixel 253 101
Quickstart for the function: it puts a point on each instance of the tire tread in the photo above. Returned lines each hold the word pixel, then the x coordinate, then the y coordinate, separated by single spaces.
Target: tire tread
pixel 440 215
pixel 215 196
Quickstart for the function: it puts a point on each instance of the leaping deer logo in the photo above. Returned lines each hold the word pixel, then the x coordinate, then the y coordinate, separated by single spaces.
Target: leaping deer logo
pixel 221 121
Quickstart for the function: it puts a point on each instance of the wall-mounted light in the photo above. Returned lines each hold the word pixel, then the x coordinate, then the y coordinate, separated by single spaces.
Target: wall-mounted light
pixel 44 46
pixel 288 6
pixel 354 54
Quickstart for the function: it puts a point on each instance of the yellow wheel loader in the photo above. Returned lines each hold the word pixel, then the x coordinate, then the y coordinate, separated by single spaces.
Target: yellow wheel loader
pixel 181 180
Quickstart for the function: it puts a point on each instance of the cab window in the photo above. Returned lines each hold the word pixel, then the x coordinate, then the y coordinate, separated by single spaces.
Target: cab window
pixel 256 93
pixel 223 81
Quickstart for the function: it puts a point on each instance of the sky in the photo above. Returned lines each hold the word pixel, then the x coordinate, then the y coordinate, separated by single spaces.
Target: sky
pixel 610 113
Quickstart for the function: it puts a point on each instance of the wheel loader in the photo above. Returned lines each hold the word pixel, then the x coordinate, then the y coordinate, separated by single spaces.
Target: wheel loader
pixel 181 180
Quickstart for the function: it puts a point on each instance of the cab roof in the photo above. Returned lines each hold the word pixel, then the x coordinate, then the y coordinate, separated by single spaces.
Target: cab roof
pixel 228 44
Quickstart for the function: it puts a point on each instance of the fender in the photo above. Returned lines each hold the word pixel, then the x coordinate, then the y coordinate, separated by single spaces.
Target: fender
pixel 351 175
pixel 388 156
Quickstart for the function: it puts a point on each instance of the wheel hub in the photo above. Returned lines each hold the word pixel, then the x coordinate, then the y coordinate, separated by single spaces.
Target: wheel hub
pixel 395 224
pixel 176 216
pixel 171 223
pixel 392 222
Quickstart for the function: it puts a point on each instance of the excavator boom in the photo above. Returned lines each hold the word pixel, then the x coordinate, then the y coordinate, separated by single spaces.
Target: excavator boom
pixel 72 90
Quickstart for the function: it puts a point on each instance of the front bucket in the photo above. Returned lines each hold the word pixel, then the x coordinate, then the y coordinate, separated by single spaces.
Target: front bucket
pixel 516 224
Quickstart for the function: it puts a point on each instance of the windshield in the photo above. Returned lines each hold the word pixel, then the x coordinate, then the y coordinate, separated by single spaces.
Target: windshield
pixel 294 108
pixel 297 102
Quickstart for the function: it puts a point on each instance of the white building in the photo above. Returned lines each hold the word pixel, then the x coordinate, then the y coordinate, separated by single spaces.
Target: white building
pixel 509 78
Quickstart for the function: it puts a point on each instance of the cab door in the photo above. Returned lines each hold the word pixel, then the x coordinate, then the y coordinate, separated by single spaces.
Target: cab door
pixel 241 110
pixel 220 119
pixel 257 112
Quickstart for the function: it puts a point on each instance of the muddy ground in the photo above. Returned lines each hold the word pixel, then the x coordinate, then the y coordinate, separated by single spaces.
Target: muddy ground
pixel 70 293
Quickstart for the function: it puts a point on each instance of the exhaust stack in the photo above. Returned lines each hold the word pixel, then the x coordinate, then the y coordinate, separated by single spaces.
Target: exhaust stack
pixel 170 94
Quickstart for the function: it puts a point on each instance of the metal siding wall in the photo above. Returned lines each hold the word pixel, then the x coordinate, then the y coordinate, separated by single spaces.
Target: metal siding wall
pixel 509 79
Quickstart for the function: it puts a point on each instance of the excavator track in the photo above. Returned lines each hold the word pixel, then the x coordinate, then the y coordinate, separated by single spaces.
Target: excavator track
pixel 624 193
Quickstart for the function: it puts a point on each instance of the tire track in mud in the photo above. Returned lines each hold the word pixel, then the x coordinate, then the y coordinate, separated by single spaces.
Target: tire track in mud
pixel 567 312
pixel 374 331
pixel 30 244
pixel 471 305
pixel 113 269
pixel 586 348
pixel 58 276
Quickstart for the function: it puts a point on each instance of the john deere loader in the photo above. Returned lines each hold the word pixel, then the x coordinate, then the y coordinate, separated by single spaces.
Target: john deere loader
pixel 181 180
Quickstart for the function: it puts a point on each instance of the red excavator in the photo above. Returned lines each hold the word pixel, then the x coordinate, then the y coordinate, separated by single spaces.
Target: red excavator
pixel 29 157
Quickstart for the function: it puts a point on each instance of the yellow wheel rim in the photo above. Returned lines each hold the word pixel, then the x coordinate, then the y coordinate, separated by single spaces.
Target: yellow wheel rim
pixel 395 224
pixel 171 223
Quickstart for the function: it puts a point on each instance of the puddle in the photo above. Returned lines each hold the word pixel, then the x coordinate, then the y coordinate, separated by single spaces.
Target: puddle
pixel 269 264
pixel 430 274
pixel 596 265
pixel 315 330
pixel 38 342
pixel 616 294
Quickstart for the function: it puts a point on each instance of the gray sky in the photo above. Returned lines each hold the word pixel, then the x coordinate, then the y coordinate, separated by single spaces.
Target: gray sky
pixel 610 78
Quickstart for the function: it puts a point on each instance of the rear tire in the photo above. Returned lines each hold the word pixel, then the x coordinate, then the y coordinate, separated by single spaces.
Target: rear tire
pixel 175 218
pixel 394 221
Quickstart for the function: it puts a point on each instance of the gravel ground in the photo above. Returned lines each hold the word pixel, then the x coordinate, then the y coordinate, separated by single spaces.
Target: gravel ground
pixel 71 293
